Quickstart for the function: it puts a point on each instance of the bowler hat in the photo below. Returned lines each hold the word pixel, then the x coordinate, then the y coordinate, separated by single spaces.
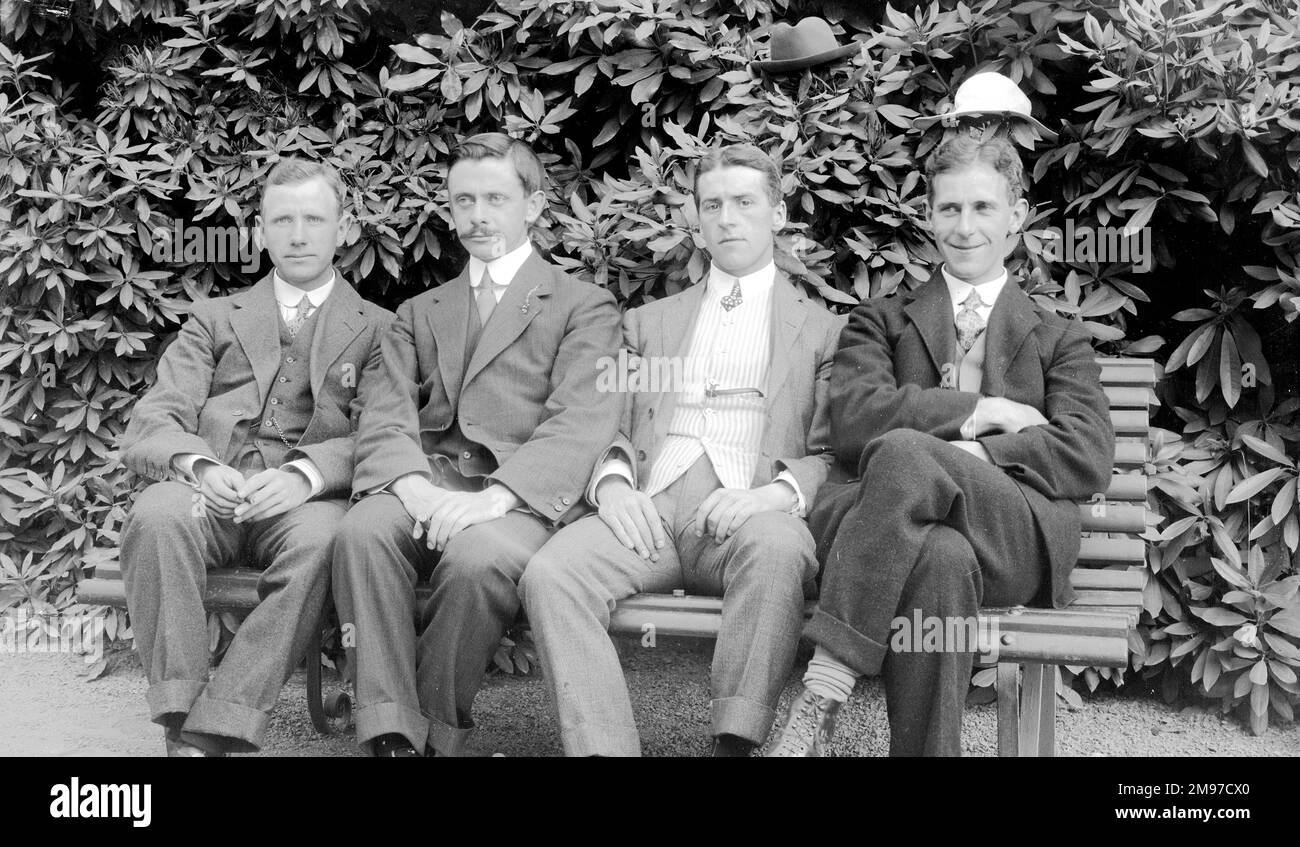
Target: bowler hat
pixel 987 93
pixel 804 45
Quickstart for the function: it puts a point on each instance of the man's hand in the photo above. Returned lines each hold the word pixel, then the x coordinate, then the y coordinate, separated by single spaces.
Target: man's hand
pixel 219 485
pixel 271 492
pixel 459 510
pixel 419 498
pixel 726 509
pixel 631 516
pixel 998 414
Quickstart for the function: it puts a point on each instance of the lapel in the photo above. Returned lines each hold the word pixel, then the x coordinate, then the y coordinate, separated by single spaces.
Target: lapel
pixel 522 302
pixel 676 325
pixel 449 321
pixel 1012 320
pixel 929 308
pixel 339 323
pixel 256 322
pixel 789 311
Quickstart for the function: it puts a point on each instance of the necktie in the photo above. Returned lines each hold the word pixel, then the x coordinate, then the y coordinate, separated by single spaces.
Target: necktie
pixel 486 297
pixel 299 316
pixel 969 322
pixel 732 300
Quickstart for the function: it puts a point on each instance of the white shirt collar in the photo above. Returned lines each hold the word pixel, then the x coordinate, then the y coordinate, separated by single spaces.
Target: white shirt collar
pixel 754 284
pixel 288 295
pixel 959 289
pixel 503 269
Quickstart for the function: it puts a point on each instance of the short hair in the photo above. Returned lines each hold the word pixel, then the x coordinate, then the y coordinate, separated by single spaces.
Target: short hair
pixel 964 150
pixel 294 170
pixel 743 156
pixel 498 145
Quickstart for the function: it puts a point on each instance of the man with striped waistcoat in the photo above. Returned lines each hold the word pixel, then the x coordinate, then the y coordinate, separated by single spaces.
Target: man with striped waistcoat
pixel 707 485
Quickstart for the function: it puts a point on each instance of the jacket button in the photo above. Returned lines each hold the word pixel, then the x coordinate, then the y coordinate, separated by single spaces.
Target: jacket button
pixel 640 455
pixel 275 401
pixel 565 500
pixel 267 422
pixel 467 455
pixel 239 413
pixel 559 508
pixel 284 379
pixel 289 359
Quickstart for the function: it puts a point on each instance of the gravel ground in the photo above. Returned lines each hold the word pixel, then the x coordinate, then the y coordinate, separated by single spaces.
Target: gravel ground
pixel 47 709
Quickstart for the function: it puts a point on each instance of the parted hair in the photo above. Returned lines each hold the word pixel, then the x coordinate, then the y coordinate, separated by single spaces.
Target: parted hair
pixel 294 170
pixel 963 150
pixel 744 156
pixel 498 145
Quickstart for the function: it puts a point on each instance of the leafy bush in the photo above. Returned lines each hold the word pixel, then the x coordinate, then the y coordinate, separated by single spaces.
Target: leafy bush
pixel 1174 117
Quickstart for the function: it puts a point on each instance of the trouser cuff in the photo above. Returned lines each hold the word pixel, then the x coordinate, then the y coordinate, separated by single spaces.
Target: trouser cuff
pixel 865 655
pixel 241 728
pixel 378 719
pixel 171 696
pixel 742 717
pixel 448 740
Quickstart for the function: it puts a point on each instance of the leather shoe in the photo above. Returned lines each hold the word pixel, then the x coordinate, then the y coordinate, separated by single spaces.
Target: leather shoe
pixel 807 729
pixel 180 749
pixel 393 746
pixel 728 746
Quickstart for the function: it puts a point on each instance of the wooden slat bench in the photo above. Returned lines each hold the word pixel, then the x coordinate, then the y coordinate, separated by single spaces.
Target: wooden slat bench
pixel 1096 630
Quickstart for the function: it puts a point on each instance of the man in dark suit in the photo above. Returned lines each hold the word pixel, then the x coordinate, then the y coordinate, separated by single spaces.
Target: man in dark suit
pixel 725 439
pixel 964 450
pixel 248 431
pixel 478 447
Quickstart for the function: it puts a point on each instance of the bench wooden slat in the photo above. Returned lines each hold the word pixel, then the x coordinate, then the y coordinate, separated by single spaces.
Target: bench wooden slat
pixel 1130 453
pixel 1128 397
pixel 1095 597
pixel 1098 551
pixel 1116 517
pixel 1129 422
pixel 1127 487
pixel 1083 579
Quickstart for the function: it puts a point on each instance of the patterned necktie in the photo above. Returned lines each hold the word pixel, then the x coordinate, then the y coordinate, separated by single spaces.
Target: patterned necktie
pixel 969 322
pixel 300 314
pixel 486 297
pixel 732 300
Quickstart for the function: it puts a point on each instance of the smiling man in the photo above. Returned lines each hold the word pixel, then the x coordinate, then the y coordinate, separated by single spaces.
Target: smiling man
pixel 253 409
pixel 966 421
pixel 477 448
pixel 706 487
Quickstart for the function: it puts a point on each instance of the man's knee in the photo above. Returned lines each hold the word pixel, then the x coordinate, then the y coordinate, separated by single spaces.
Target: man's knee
pixel 778 545
pixel 373 521
pixel 481 555
pixel 895 456
pixel 168 507
pixel 946 567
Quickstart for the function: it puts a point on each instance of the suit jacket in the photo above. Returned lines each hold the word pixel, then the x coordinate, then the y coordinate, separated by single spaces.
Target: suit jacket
pixel 528 393
pixel 796 436
pixel 214 379
pixel 888 374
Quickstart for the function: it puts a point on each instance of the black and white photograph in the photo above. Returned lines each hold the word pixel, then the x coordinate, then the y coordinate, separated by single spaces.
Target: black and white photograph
pixel 653 378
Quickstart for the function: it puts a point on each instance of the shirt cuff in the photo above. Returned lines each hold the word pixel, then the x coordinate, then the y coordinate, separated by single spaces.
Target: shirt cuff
pixel 968 429
pixel 613 467
pixel 307 468
pixel 183 465
pixel 801 506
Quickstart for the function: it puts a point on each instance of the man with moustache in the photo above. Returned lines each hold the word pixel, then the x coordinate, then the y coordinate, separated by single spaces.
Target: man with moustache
pixel 706 487
pixel 478 446
pixel 247 431
pixel 966 421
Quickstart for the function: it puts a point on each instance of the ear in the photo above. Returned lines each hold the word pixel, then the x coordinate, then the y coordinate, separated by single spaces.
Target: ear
pixel 1019 214
pixel 780 216
pixel 534 208
pixel 346 222
pixel 259 236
